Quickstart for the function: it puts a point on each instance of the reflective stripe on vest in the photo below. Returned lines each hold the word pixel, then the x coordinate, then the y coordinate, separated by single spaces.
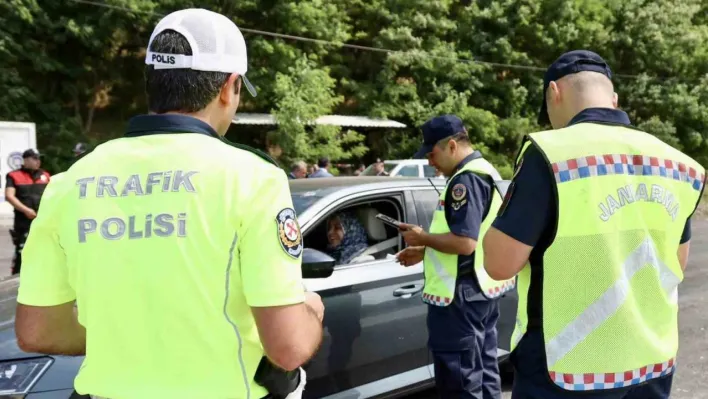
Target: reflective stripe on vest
pixel 623 200
pixel 441 268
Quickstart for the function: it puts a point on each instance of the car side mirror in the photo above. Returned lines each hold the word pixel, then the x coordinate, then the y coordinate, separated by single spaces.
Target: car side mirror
pixel 316 264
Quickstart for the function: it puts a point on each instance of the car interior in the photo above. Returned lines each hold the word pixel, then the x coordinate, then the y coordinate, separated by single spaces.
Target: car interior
pixel 383 240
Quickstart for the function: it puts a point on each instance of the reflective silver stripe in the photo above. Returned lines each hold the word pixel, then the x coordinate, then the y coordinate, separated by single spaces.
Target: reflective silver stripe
pixel 226 314
pixel 487 167
pixel 611 300
pixel 518 333
pixel 446 278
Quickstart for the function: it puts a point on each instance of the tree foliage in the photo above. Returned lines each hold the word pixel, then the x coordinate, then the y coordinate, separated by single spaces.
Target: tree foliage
pixel 302 95
pixel 75 69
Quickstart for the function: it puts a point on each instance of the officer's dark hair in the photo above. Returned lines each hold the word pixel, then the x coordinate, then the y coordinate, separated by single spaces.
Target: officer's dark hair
pixel 179 90
pixel 323 162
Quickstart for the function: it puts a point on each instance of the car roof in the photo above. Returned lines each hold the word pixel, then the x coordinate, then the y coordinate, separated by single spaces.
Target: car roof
pixel 331 184
pixel 425 161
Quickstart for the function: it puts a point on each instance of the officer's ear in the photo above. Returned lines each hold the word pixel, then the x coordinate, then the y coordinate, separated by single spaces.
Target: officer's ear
pixel 553 95
pixel 231 89
pixel 452 144
pixel 615 100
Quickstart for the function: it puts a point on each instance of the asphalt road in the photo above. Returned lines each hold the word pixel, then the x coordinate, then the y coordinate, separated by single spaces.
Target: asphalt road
pixel 691 380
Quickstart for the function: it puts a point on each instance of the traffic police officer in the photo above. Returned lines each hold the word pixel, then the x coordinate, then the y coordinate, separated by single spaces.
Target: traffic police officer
pixel 181 251
pixel 23 190
pixel 463 300
pixel 600 210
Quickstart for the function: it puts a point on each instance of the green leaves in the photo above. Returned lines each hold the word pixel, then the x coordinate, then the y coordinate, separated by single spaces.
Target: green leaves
pixel 304 94
pixel 76 69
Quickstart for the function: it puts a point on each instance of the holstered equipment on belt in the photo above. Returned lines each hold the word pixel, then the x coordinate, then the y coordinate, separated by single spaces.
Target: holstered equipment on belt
pixel 277 381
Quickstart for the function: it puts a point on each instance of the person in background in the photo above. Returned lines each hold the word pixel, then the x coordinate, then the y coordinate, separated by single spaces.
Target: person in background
pixel 79 149
pixel 379 168
pixel 298 170
pixel 360 169
pixel 346 237
pixel 322 166
pixel 23 190
pixel 311 169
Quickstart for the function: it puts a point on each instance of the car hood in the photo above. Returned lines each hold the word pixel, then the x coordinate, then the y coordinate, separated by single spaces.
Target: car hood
pixel 8 301
pixel 60 375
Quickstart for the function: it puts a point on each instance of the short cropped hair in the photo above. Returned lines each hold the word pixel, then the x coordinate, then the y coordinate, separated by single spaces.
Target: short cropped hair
pixel 462 138
pixel 179 90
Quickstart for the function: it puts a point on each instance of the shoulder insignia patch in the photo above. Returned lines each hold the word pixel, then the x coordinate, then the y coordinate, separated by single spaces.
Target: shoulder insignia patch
pixel 458 192
pixel 289 232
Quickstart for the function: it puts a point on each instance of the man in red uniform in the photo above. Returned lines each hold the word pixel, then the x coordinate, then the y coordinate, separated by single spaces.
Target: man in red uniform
pixel 23 190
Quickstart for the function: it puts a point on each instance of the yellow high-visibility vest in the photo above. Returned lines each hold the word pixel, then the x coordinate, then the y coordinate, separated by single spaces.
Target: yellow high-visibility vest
pixel 166 242
pixel 610 277
pixel 441 268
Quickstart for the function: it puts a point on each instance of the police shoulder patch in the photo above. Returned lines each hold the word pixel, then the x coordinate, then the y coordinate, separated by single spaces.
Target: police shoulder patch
pixel 458 192
pixel 289 232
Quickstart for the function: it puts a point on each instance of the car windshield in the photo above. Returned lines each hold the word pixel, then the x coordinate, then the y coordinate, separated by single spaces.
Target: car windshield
pixel 370 171
pixel 303 200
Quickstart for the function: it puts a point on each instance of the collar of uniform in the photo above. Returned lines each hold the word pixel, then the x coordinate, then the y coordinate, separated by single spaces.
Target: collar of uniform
pixel 144 125
pixel 605 115
pixel 476 154
pixel 31 172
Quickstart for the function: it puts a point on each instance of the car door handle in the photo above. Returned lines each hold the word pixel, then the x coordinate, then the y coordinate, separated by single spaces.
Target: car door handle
pixel 407 291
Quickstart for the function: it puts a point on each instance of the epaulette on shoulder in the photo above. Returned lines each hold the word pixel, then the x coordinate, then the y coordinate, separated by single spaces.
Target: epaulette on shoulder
pixel 252 150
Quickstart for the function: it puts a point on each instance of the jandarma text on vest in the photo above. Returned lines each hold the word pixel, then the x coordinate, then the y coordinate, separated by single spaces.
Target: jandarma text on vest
pixel 153 224
pixel 633 193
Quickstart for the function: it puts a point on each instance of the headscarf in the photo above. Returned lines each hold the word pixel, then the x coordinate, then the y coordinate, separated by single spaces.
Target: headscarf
pixel 354 241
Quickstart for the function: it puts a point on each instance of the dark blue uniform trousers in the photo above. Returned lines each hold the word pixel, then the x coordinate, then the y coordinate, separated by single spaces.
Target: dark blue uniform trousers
pixel 463 341
pixel 531 379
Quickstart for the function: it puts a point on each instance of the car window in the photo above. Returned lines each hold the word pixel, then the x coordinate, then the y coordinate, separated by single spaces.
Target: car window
pixel 409 171
pixel 425 203
pixel 361 233
pixel 388 167
pixel 304 200
pixel 428 171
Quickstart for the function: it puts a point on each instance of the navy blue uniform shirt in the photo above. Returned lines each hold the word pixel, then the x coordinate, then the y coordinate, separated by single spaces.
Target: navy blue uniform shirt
pixel 467 202
pixel 144 125
pixel 531 211
pixel 167 123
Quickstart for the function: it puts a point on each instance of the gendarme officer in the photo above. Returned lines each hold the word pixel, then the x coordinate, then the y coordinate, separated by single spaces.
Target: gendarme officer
pixel 600 210
pixel 463 301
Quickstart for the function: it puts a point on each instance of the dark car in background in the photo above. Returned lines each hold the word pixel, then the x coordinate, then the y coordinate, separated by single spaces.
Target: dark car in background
pixel 375 337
